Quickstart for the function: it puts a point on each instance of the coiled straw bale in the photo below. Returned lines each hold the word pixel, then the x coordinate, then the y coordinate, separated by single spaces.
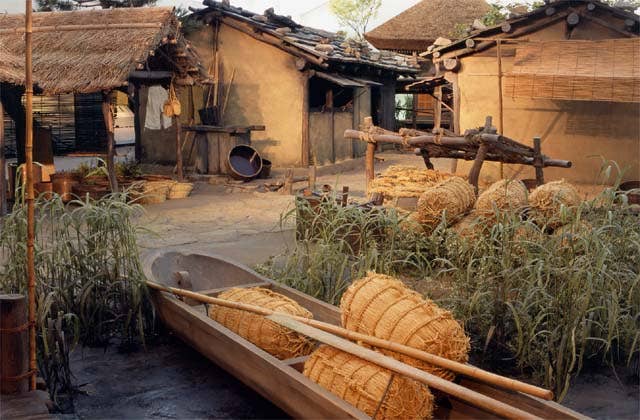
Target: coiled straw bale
pixel 470 227
pixel 269 336
pixel 454 196
pixel 384 307
pixel 406 181
pixel 506 194
pixel 547 200
pixel 372 389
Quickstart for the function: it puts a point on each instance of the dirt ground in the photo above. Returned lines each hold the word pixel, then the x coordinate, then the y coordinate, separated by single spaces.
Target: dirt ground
pixel 170 380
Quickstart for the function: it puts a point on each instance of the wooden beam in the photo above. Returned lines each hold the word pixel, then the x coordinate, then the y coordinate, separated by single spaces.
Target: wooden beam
pixel 3 164
pixel 107 114
pixel 150 75
pixel 69 28
pixel 437 117
pixel 607 25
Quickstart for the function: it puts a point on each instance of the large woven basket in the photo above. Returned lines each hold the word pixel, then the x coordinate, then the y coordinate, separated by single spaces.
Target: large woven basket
pixel 154 192
pixel 384 307
pixel 504 195
pixel 372 389
pixel 548 199
pixel 269 336
pixel 180 190
pixel 452 198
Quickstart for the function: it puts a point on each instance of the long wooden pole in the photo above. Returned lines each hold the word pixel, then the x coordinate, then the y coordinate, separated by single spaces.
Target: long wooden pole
pixel 500 104
pixel 475 398
pixel 31 271
pixel 3 164
pixel 460 368
pixel 111 147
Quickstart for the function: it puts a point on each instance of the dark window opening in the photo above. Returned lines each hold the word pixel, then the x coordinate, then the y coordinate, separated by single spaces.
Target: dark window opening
pixel 325 96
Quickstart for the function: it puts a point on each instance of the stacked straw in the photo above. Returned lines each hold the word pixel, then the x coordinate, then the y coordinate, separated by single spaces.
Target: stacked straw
pixel 372 389
pixel 454 197
pixel 384 307
pixel 469 227
pixel 266 334
pixel 399 181
pixel 180 190
pixel 504 195
pixel 154 192
pixel 547 201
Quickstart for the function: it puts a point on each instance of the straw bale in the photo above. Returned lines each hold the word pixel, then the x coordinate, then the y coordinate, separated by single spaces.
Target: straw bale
pixel 547 199
pixel 504 195
pixel 364 385
pixel 384 307
pixel 406 181
pixel 469 227
pixel 269 336
pixel 454 197
pixel 569 233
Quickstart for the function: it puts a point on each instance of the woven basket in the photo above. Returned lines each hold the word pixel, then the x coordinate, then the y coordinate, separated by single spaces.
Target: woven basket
pixel 154 192
pixel 366 385
pixel 384 307
pixel 547 200
pixel 269 336
pixel 180 190
pixel 504 195
pixel 452 197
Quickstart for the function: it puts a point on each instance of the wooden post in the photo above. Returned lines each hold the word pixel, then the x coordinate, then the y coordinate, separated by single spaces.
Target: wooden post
pixel 414 111
pixel 369 157
pixel 288 182
pixel 111 150
pixel 500 104
pixel 306 150
pixel 474 174
pixel 456 115
pixel 312 177
pixel 137 121
pixel 14 348
pixel 437 111
pixel 345 196
pixel 538 161
pixel 3 173
pixel 28 151
pixel 179 168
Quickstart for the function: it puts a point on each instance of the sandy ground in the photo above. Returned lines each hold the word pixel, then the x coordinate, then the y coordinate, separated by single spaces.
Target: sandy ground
pixel 170 380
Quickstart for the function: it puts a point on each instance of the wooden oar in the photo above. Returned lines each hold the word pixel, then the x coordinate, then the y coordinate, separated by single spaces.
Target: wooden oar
pixel 459 368
pixel 472 397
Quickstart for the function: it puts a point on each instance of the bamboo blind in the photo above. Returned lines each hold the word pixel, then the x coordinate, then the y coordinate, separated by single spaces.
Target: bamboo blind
pixel 607 70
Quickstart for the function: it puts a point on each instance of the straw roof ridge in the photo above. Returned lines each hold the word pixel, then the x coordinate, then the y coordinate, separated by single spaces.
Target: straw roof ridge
pixel 303 41
pixel 90 59
pixel 522 20
pixel 417 27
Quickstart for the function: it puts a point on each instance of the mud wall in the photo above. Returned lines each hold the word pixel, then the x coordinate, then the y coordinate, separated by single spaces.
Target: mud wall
pixel 581 131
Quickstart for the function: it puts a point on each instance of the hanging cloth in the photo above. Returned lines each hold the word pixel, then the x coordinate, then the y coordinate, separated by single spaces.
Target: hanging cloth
pixel 155 118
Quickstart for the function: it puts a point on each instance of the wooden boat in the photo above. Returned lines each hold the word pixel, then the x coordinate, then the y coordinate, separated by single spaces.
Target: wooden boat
pixel 281 381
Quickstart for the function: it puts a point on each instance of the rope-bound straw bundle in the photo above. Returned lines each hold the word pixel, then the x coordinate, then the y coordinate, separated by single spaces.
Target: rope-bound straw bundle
pixel 469 227
pixel 180 190
pixel 547 201
pixel 384 307
pixel 372 389
pixel 269 336
pixel 406 181
pixel 453 196
pixel 504 195
pixel 154 192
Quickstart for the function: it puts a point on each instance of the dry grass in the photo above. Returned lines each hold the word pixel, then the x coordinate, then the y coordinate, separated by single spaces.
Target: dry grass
pixel 399 181
pixel 448 200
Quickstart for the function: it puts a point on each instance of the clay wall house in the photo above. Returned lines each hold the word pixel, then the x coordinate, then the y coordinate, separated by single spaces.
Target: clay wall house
pixel 568 72
pixel 304 85
pixel 414 31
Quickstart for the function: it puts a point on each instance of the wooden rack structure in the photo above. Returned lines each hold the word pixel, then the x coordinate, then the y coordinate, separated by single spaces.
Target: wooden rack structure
pixel 479 144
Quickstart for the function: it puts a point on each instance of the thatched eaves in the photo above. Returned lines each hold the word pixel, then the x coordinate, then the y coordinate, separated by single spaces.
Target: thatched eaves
pixel 11 67
pixel 90 51
pixel 419 26
pixel 317 47
pixel 625 24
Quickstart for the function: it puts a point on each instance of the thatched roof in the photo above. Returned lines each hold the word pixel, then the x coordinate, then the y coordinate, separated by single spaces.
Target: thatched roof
pixel 417 27
pixel 82 59
pixel 323 48
pixel 11 67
